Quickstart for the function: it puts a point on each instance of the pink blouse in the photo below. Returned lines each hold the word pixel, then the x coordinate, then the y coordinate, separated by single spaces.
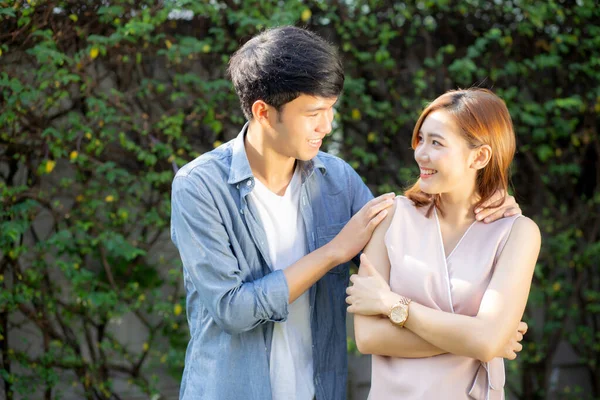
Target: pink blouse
pixel 421 271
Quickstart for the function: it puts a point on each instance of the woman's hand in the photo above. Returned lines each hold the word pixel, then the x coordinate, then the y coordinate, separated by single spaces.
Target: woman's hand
pixel 510 350
pixel 369 294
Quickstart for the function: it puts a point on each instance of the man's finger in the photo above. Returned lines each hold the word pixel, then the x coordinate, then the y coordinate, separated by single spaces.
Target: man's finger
pixel 380 199
pixel 376 220
pixel 496 197
pixel 512 211
pixel 377 208
pixel 494 216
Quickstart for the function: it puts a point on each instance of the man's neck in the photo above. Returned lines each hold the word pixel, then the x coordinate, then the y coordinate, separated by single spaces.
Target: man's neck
pixel 273 169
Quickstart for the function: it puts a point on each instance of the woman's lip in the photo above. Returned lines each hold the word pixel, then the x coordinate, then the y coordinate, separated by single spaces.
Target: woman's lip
pixel 426 176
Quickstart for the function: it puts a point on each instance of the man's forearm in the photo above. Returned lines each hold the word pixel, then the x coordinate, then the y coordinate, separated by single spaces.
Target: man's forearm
pixel 309 269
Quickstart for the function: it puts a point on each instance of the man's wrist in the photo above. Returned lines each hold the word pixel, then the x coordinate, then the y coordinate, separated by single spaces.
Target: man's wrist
pixel 333 254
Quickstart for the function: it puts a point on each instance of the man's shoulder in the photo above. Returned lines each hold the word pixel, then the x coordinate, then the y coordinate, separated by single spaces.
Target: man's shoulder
pixel 213 164
pixel 333 164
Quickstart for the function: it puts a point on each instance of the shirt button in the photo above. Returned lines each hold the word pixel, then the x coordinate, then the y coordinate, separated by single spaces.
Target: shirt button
pixel 241 211
pixel 249 182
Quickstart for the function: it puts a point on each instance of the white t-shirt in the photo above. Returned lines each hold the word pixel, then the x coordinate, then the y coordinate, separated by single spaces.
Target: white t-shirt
pixel 291 363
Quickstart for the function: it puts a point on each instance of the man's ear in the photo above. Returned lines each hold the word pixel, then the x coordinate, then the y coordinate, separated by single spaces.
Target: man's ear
pixel 483 155
pixel 263 113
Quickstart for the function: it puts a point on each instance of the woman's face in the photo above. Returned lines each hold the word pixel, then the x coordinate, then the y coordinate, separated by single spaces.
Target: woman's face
pixel 444 156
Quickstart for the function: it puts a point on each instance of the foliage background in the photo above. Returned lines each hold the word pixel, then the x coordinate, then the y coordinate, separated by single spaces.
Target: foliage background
pixel 101 102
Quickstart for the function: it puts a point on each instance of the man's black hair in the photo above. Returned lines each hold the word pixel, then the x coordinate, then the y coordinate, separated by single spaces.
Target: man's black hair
pixel 283 63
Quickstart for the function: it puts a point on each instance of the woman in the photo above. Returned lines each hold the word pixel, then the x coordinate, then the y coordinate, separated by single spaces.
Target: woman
pixel 434 281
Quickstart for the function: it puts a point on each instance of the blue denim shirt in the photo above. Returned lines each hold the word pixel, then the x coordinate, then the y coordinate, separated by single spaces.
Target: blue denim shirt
pixel 234 297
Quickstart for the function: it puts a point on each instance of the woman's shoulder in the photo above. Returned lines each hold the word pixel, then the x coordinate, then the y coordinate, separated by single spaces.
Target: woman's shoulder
pixel 526 227
pixel 405 205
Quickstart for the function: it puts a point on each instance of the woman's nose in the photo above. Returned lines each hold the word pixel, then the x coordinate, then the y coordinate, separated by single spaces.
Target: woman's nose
pixel 421 153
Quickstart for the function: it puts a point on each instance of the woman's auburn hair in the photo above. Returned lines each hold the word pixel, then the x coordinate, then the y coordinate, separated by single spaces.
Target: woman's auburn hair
pixel 484 120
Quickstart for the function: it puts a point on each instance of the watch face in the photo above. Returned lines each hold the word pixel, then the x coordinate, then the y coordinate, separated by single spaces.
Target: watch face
pixel 399 314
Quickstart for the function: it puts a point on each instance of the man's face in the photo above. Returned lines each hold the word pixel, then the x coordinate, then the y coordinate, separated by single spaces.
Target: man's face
pixel 301 125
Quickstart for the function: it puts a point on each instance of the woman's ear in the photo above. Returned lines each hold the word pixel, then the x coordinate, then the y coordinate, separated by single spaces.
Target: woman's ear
pixel 483 155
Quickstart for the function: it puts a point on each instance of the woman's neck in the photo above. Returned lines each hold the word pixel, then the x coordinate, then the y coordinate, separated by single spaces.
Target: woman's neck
pixel 459 206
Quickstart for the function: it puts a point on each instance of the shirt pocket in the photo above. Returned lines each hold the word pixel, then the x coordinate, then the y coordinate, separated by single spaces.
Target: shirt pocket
pixel 324 235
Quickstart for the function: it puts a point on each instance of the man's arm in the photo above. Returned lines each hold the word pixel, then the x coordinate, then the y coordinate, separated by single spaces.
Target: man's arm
pixel 238 306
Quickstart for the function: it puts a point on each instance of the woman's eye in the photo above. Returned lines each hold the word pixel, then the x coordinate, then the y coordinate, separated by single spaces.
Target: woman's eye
pixel 435 142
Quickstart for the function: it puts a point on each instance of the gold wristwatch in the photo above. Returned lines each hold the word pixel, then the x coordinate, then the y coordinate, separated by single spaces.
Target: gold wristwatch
pixel 399 312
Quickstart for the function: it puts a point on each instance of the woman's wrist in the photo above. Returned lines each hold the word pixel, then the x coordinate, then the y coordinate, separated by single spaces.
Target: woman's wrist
pixel 388 300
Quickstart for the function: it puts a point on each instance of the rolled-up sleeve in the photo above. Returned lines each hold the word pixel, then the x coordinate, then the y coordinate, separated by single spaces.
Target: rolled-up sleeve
pixel 198 232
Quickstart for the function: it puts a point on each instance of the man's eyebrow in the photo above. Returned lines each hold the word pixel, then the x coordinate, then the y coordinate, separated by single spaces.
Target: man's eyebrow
pixel 321 108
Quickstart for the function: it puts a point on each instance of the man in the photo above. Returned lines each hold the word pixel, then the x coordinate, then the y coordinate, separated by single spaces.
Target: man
pixel 266 225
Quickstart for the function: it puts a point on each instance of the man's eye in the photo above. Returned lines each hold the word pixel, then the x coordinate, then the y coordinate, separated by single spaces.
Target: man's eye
pixel 313 115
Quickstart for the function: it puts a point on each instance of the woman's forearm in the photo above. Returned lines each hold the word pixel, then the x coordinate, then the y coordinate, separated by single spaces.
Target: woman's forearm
pixel 376 335
pixel 455 333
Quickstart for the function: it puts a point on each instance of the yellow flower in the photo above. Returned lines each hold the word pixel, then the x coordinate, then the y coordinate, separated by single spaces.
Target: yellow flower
pixel 356 114
pixel 94 52
pixel 1 278
pixel 168 44
pixel 163 359
pixel 177 309
pixel 371 137
pixel 109 199
pixel 88 135
pixel 306 14
pixel 217 143
pixel 146 346
pixel 206 48
pixel 142 297
pixel 171 158
pixel 50 164
pixel 556 286
pixel 79 198
pixel 73 155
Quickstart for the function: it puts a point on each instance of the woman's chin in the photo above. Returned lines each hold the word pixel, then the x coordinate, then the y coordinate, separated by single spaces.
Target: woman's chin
pixel 428 190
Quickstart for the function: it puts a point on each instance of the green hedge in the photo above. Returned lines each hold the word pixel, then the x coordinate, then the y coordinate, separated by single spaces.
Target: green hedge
pixel 99 105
